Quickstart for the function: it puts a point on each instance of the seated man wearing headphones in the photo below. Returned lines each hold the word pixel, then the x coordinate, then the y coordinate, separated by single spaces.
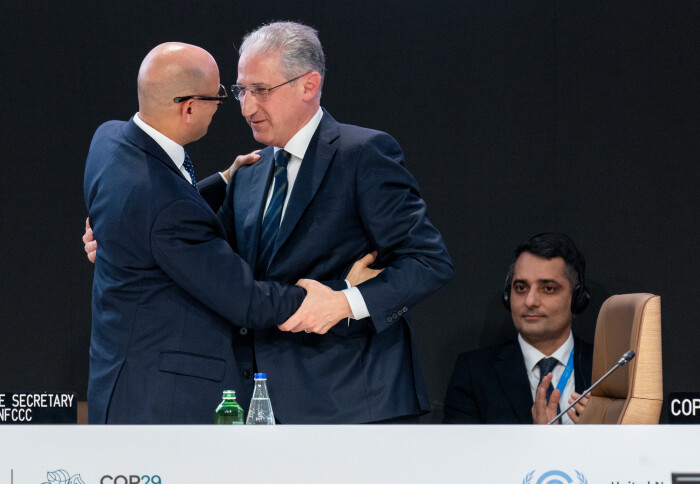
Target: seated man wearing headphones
pixel 511 383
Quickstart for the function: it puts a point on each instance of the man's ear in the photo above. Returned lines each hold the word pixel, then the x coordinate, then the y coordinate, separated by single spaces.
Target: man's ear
pixel 312 83
pixel 185 109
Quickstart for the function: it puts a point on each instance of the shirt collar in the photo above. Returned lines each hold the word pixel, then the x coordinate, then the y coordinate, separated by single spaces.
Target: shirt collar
pixel 171 148
pixel 532 355
pixel 300 141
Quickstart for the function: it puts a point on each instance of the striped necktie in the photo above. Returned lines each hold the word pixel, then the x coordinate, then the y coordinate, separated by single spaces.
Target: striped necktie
pixel 273 214
pixel 190 169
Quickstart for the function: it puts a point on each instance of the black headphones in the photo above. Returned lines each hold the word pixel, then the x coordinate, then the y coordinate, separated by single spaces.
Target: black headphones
pixel 550 245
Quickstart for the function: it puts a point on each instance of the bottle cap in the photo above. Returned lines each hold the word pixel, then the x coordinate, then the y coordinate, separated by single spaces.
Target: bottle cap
pixel 229 394
pixel 260 376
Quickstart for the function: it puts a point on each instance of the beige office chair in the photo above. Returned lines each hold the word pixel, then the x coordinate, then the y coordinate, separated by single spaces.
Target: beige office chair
pixel 633 394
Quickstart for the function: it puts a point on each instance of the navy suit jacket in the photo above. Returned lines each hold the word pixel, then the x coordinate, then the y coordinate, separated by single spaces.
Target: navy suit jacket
pixel 166 285
pixel 352 195
pixel 491 385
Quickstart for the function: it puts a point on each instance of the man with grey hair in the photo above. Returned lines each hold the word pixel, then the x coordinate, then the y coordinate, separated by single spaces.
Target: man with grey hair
pixel 167 284
pixel 323 194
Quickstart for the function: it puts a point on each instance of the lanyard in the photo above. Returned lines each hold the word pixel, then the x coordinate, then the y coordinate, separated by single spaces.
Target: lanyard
pixel 567 372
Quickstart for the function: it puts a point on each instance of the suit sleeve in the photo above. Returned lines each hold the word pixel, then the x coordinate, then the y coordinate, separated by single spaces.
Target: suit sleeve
pixel 394 215
pixel 226 214
pixel 187 247
pixel 213 190
pixel 460 405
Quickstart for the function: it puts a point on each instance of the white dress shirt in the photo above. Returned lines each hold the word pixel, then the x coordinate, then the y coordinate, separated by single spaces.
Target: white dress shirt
pixel 171 148
pixel 296 147
pixel 532 356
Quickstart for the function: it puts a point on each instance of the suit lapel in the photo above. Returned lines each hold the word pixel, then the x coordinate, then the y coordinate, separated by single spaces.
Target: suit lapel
pixel 512 375
pixel 256 196
pixel 311 173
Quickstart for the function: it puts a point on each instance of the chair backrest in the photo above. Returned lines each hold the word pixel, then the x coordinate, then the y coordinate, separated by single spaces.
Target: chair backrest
pixel 634 393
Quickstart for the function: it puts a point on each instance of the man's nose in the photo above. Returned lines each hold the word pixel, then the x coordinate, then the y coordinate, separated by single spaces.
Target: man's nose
pixel 248 105
pixel 531 299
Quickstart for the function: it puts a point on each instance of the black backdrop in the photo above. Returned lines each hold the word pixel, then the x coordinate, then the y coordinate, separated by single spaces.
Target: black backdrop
pixel 515 117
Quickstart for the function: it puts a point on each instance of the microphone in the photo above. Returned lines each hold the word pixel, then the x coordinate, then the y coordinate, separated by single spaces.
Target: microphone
pixel 622 362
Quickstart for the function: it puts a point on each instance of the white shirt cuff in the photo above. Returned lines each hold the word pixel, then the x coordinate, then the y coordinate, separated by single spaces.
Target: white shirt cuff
pixel 356 301
pixel 223 178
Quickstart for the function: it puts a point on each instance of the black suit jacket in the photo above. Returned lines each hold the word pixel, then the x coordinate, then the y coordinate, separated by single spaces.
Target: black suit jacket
pixel 166 287
pixel 491 386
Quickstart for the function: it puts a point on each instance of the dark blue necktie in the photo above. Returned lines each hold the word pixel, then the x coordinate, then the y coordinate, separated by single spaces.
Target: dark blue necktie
pixel 546 366
pixel 190 169
pixel 273 214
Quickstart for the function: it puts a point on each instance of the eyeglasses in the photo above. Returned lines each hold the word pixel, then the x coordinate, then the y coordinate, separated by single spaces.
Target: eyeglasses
pixel 220 98
pixel 260 93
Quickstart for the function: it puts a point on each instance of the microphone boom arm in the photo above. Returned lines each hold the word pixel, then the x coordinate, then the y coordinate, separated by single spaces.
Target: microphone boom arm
pixel 622 362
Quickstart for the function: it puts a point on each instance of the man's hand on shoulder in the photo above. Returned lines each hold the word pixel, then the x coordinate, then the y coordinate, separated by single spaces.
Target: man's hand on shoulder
pixel 240 160
pixel 90 242
pixel 321 310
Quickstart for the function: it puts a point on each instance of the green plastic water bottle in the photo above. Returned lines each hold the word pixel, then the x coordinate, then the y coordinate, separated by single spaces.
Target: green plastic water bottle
pixel 229 412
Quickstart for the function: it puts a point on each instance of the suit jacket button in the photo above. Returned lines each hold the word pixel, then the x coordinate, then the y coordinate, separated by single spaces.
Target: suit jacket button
pixel 243 331
pixel 246 374
pixel 405 309
pixel 388 319
pixel 394 316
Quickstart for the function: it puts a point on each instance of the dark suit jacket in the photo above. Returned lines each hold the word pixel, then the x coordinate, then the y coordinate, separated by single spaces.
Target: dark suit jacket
pixel 352 195
pixel 491 385
pixel 166 282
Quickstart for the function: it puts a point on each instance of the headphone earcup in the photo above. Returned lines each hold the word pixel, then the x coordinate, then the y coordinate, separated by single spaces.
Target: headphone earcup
pixel 506 294
pixel 580 299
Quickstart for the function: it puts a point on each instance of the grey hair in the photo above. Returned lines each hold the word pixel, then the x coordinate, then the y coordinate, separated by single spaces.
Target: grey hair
pixel 298 45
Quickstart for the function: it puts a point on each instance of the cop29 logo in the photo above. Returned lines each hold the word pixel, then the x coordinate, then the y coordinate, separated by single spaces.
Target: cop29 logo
pixel 555 477
pixel 61 476
pixel 131 479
